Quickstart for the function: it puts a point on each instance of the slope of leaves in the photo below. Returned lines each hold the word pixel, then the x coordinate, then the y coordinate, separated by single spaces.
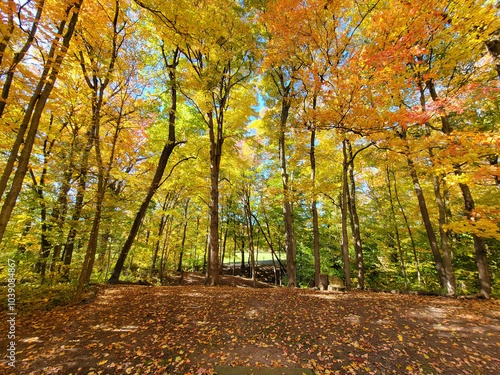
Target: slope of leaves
pixel 190 329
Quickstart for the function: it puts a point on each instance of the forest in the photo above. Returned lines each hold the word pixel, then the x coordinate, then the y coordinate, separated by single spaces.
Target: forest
pixel 349 138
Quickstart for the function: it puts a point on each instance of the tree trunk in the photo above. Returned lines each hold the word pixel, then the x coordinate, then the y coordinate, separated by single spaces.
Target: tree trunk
pixel 88 262
pixel 195 245
pixel 102 179
pixel 493 46
pixel 396 230
pixel 40 267
pixel 287 206
pixel 167 151
pixel 427 223
pixel 215 157
pixel 268 238
pixel 285 90
pixel 80 195
pixel 224 246
pixel 21 248
pixel 275 270
pixel 242 268
pixel 479 243
pixel 58 216
pixel 163 222
pixel 248 216
pixel 317 260
pixel 448 266
pixel 251 249
pixel 345 241
pixel 45 226
pixel 419 277
pixel 234 251
pixel 205 251
pixel 166 247
pixel 353 215
pixel 179 266
pixel 103 250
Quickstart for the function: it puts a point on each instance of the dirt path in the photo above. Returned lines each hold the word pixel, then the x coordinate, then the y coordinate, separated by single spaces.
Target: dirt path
pixel 190 329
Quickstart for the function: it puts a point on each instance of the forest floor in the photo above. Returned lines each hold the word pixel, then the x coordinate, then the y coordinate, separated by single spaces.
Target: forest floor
pixel 190 329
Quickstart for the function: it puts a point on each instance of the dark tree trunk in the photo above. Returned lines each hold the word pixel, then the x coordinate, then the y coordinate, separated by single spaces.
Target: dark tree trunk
pixel 285 90
pixel 493 46
pixel 195 247
pixel 165 248
pixel 396 230
pixel 88 261
pixel 80 195
pixel 103 250
pixel 248 216
pixel 163 221
pixel 86 269
pixel 427 223
pixel 447 256
pixel 268 238
pixel 317 260
pixel 234 251
pixel 58 216
pixel 353 214
pixel 287 205
pixel 414 248
pixel 21 248
pixel 345 241
pixel 223 255
pixel 479 243
pixel 40 267
pixel 242 268
pixel 179 266
pixel 216 141
pixel 45 225
pixel 167 151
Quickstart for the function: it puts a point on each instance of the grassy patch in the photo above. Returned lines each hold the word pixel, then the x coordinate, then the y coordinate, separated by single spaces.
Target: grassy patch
pixel 38 297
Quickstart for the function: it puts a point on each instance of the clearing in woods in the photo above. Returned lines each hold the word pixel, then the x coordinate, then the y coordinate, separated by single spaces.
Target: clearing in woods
pixel 192 329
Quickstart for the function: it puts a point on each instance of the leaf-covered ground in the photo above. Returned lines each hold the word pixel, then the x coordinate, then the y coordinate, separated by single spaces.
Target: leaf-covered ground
pixel 190 329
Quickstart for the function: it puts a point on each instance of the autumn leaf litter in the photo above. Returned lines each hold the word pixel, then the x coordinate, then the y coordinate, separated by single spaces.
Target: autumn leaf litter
pixel 190 329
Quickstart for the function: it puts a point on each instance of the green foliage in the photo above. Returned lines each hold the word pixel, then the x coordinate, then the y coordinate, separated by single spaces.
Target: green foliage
pixel 33 296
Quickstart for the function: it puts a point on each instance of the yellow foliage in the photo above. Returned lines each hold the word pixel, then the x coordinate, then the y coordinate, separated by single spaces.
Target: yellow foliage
pixel 484 228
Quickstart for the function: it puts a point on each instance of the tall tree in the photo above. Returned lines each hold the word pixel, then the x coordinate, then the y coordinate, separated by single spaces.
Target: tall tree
pixel 344 211
pixel 353 215
pixel 396 230
pixel 171 62
pixel 93 71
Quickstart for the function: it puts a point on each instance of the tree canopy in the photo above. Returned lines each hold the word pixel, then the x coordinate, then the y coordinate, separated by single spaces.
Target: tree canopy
pixel 352 139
